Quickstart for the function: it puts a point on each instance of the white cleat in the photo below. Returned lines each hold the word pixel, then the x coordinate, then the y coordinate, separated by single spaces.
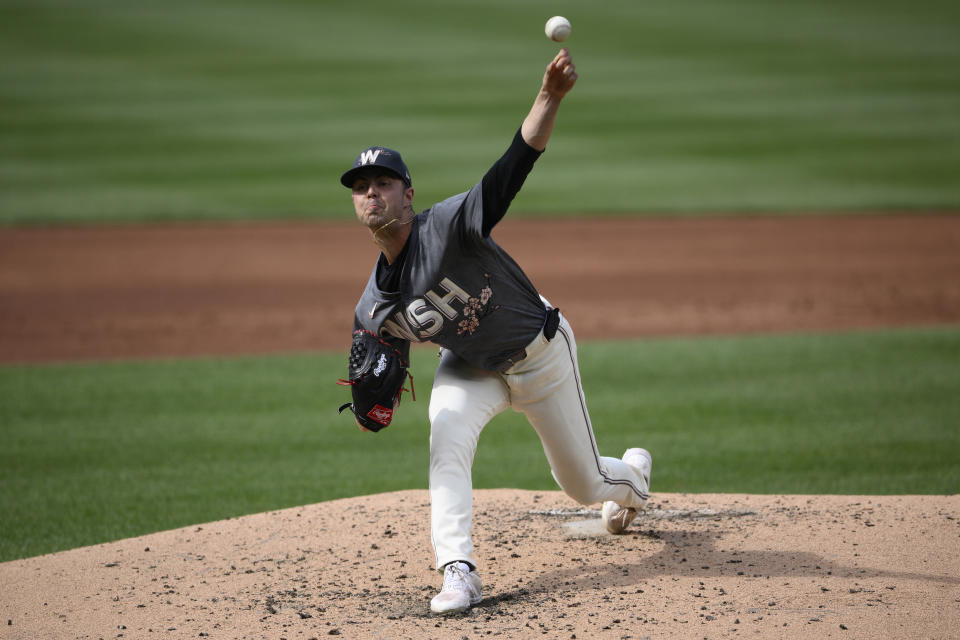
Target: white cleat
pixel 616 518
pixel 461 589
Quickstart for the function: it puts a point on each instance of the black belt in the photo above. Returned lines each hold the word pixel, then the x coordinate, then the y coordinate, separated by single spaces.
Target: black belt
pixel 550 324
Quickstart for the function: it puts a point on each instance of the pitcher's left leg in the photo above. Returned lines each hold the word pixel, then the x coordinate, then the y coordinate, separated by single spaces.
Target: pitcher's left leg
pixel 464 399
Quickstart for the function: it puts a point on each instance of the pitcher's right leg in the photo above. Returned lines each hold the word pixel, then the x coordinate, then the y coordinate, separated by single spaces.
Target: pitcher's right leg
pixel 546 387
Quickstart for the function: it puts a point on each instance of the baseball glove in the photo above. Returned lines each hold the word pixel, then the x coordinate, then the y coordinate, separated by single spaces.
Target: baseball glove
pixel 377 371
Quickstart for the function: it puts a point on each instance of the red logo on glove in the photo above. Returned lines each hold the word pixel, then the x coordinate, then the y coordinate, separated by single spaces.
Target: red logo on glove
pixel 380 414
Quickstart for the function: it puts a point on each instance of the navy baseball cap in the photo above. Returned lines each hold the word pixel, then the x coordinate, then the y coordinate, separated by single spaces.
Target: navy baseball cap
pixel 377 157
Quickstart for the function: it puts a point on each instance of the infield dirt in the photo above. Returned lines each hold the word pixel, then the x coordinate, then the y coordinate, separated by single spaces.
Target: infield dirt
pixel 172 290
pixel 695 566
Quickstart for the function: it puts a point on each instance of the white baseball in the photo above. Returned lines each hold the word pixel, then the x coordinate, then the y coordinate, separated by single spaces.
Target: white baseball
pixel 557 29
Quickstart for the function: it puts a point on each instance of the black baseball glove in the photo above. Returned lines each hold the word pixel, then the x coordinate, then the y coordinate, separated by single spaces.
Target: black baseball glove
pixel 377 371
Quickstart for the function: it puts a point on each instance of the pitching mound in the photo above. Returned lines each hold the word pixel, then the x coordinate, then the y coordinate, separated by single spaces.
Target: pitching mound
pixel 693 566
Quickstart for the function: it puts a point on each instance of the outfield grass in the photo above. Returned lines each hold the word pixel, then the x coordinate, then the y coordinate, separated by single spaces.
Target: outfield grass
pixel 133 110
pixel 95 452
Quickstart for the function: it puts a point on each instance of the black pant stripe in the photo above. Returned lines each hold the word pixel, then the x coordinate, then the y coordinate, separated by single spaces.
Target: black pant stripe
pixel 586 421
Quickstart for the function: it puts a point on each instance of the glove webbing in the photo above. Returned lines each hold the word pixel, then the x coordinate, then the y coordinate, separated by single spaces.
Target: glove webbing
pixel 356 357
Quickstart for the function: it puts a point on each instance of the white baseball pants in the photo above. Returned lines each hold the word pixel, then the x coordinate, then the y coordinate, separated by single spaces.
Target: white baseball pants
pixel 545 386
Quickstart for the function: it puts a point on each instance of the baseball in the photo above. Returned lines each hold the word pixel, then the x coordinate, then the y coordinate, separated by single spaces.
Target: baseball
pixel 557 29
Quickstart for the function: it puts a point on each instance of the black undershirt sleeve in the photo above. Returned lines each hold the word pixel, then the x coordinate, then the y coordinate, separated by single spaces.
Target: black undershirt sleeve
pixel 504 179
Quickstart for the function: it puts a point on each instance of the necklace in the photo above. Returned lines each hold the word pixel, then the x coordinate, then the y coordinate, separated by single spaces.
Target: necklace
pixel 390 222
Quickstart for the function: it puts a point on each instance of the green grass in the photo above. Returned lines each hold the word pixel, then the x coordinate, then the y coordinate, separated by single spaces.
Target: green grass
pixel 132 110
pixel 95 452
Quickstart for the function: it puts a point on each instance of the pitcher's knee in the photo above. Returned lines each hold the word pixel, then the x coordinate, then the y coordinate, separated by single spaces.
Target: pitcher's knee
pixel 585 491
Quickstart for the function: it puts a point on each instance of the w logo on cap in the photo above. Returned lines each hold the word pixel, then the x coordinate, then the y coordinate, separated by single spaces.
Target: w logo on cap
pixel 377 157
pixel 369 156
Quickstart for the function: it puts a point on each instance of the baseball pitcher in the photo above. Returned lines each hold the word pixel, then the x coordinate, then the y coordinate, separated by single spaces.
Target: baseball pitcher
pixel 440 277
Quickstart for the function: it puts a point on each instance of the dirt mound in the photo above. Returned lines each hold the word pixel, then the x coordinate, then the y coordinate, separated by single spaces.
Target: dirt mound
pixel 693 566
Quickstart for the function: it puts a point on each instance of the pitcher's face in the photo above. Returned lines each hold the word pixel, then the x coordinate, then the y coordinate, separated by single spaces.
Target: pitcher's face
pixel 379 197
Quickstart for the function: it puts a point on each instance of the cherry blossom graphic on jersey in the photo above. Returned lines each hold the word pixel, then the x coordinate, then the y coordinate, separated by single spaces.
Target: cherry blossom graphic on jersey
pixel 476 309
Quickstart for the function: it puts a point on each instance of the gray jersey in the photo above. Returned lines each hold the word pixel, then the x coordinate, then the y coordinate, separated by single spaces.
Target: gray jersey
pixel 457 289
